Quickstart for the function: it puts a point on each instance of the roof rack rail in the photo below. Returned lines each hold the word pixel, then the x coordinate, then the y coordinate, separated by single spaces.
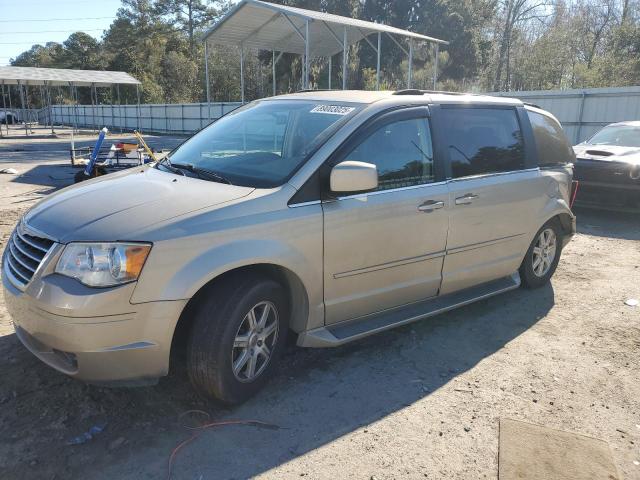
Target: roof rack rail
pixel 306 90
pixel 409 91
pixel 532 105
pixel 414 91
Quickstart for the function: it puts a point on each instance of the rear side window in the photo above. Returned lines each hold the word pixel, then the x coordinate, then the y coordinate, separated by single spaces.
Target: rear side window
pixel 402 151
pixel 551 142
pixel 483 140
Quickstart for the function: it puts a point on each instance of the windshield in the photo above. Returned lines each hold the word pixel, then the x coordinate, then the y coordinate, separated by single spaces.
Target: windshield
pixel 262 144
pixel 622 136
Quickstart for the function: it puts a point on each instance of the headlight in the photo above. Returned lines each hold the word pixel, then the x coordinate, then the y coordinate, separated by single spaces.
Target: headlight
pixel 103 264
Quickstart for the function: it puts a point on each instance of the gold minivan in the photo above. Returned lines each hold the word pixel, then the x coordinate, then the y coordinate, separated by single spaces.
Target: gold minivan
pixel 328 216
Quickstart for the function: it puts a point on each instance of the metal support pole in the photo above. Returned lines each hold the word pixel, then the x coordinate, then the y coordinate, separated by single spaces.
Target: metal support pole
pixel 48 93
pixel 410 76
pixel 4 105
pixel 94 121
pixel 206 77
pixel 42 102
pixel 24 110
pixel 378 64
pixel 119 107
pixel 113 111
pixel 330 60
pixel 74 93
pixel 273 71
pixel 138 108
pixel 581 112
pixel 306 55
pixel 58 96
pixel 435 67
pixel 13 118
pixel 344 59
pixel 242 73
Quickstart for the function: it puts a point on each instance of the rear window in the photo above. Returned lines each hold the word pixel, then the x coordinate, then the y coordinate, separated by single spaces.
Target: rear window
pixel 483 140
pixel 551 142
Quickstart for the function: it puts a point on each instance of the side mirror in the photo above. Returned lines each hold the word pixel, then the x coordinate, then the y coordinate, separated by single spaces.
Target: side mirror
pixel 352 176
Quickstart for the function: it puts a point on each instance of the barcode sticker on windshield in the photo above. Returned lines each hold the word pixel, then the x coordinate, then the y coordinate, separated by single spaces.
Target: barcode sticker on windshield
pixel 332 109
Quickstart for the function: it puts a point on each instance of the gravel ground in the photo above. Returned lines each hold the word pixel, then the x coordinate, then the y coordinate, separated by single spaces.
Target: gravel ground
pixel 422 401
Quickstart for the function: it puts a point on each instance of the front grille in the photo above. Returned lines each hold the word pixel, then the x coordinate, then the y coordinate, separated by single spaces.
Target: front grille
pixel 25 253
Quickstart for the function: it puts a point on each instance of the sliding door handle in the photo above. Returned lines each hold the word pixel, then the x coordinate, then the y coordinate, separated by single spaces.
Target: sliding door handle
pixel 431 205
pixel 466 199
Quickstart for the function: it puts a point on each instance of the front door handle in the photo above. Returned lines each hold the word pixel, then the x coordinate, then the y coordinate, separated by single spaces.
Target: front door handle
pixel 466 199
pixel 431 205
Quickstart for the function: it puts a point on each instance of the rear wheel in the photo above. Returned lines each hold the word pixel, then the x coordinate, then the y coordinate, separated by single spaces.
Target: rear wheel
pixel 542 258
pixel 238 334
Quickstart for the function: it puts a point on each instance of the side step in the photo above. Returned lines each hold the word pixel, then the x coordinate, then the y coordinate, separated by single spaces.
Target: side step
pixel 344 332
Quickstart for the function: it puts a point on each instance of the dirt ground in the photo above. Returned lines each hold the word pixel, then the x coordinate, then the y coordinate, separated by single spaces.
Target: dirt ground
pixel 422 401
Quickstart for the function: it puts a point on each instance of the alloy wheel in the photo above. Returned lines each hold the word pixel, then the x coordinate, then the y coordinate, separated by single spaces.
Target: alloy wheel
pixel 254 342
pixel 544 252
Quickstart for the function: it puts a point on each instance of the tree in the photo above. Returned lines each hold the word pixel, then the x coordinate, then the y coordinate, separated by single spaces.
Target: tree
pixel 189 15
pixel 514 13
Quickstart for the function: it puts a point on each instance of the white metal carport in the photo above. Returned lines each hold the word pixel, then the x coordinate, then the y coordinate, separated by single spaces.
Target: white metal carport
pixel 279 28
pixel 23 77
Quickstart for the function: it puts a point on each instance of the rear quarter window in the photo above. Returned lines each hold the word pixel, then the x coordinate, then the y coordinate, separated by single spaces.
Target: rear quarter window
pixel 483 140
pixel 551 142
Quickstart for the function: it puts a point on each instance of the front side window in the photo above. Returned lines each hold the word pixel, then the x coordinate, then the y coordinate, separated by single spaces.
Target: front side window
pixel 261 144
pixel 402 152
pixel 619 135
pixel 551 142
pixel 483 140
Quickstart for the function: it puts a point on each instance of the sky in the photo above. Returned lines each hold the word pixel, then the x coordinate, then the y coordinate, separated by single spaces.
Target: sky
pixel 24 23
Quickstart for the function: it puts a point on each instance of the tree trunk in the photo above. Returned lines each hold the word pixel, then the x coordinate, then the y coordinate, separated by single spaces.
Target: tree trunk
pixel 497 85
pixel 190 27
pixel 625 12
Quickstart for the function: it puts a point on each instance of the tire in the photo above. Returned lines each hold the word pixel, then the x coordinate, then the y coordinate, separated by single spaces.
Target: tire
pixel 222 317
pixel 537 268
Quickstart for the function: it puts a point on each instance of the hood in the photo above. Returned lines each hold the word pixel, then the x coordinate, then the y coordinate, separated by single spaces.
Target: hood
pixel 609 153
pixel 111 207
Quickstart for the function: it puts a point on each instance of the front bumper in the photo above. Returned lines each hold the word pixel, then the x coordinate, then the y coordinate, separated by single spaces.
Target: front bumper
pixel 93 335
pixel 607 184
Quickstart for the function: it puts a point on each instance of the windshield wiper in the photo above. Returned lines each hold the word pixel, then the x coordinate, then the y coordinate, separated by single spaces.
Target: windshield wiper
pixel 166 163
pixel 203 173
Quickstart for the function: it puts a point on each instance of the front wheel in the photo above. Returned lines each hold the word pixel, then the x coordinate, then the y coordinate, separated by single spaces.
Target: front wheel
pixel 542 258
pixel 238 334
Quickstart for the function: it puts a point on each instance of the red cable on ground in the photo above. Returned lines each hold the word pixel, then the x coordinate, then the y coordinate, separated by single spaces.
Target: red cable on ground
pixel 199 429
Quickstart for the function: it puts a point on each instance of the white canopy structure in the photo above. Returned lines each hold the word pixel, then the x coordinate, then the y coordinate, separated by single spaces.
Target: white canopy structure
pixel 279 28
pixel 64 77
pixel 24 77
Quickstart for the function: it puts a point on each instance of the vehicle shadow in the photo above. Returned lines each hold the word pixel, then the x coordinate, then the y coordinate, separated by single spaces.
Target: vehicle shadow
pixel 608 223
pixel 321 395
pixel 317 397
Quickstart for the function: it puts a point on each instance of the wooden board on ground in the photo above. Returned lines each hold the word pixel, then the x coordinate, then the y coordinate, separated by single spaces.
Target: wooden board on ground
pixel 532 452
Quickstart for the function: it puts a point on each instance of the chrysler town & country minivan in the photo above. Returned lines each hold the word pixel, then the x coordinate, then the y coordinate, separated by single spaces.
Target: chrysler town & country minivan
pixel 324 215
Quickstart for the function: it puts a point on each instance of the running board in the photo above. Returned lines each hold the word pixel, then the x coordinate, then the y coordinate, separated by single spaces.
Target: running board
pixel 344 332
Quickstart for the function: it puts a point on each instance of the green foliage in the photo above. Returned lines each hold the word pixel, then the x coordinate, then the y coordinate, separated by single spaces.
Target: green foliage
pixel 505 44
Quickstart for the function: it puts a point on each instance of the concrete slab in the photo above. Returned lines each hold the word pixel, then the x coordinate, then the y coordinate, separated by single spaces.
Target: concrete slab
pixel 533 452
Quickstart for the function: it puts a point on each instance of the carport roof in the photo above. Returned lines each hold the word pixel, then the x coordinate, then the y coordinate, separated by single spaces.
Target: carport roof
pixel 266 26
pixel 65 77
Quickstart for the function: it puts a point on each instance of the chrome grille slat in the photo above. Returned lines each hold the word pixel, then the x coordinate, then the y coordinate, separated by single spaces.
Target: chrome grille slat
pixel 24 251
pixel 16 270
pixel 24 256
pixel 17 258
pixel 32 243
